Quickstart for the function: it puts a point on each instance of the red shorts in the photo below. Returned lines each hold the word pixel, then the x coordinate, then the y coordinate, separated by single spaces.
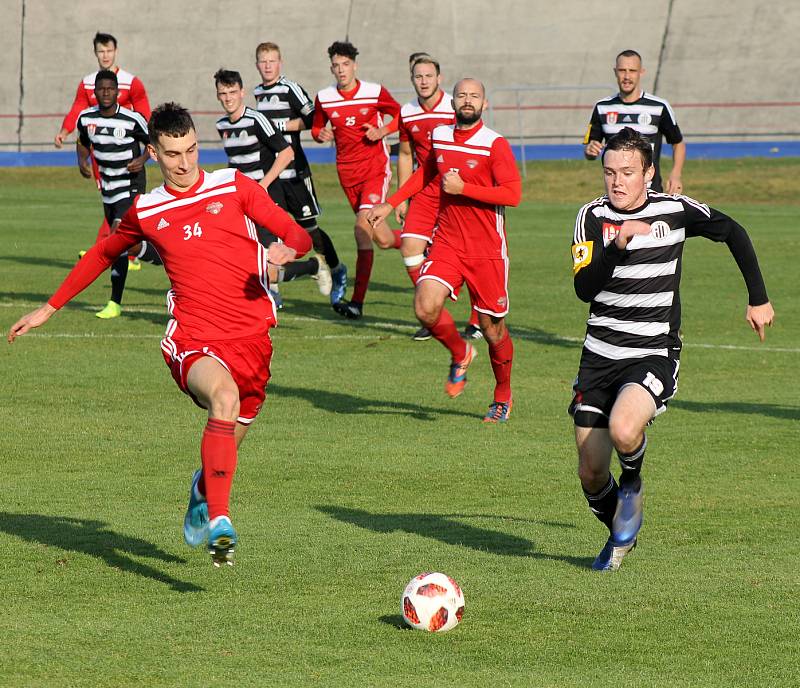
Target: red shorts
pixel 369 192
pixel 422 216
pixel 247 360
pixel 486 278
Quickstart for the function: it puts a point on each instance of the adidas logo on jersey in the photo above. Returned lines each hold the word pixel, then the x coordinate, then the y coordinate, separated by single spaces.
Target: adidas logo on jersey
pixel 162 223
pixel 440 159
pixel 627 118
pixel 414 129
pixel 334 114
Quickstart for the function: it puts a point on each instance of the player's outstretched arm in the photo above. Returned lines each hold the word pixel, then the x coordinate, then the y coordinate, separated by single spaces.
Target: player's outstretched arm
pixel 760 317
pixel 27 322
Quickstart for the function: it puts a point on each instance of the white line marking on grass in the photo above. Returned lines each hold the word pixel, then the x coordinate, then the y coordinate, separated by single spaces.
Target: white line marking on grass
pixel 383 325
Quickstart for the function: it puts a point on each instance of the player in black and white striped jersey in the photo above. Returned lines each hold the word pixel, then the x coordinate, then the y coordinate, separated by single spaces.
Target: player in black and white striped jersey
pixel 643 112
pixel 627 252
pixel 117 138
pixel 258 150
pixel 289 108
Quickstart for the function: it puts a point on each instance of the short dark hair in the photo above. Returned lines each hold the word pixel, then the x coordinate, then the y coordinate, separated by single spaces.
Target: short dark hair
pixel 630 140
pixel 104 38
pixel 344 48
pixel 228 77
pixel 106 75
pixel 424 58
pixel 628 53
pixel 170 119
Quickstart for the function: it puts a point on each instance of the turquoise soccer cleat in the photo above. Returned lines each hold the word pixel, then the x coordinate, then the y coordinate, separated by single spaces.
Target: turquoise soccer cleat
pixel 195 522
pixel 221 541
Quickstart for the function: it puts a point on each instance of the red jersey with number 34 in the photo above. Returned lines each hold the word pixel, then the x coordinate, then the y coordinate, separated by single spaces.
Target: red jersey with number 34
pixel 206 237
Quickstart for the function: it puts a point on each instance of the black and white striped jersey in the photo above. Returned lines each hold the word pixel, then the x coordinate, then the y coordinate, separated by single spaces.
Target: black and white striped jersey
pixel 651 116
pixel 251 143
pixel 114 140
pixel 634 297
pixel 282 101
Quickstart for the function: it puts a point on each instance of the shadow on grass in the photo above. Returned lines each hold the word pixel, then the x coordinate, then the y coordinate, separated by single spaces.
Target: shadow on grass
pixel 339 402
pixel 772 410
pixel 96 539
pixel 534 334
pixel 395 620
pixel 444 528
pixel 42 262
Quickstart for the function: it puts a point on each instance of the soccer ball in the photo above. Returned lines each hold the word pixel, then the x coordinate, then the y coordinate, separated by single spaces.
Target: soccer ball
pixel 432 602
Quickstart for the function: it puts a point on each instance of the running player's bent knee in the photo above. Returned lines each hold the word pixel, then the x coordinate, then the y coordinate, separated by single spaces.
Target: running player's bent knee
pixel 225 403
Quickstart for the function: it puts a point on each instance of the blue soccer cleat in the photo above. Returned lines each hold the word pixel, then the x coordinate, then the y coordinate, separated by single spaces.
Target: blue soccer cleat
pixel 628 515
pixel 339 283
pixel 457 377
pixel 499 411
pixel 611 555
pixel 195 523
pixel 221 541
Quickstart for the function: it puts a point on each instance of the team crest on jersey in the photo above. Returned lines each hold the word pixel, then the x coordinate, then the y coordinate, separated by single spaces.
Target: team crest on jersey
pixel 472 164
pixel 364 111
pixel 609 233
pixel 644 118
pixel 92 128
pixel 374 198
pixel 214 208
pixel 660 229
pixel 611 117
pixel 119 132
pixel 502 301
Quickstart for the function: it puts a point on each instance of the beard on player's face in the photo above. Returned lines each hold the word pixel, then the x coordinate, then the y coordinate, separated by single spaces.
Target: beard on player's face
pixel 466 114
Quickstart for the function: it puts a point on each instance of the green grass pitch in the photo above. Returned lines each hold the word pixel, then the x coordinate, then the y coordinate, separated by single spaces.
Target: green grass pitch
pixel 361 473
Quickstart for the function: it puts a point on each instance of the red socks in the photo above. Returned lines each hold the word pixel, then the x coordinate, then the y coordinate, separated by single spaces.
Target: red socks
pixel 218 455
pixel 413 273
pixel 363 271
pixel 445 331
pixel 501 355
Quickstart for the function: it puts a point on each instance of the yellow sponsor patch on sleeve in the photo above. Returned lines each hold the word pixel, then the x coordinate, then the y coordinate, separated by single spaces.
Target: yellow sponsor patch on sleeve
pixel 581 256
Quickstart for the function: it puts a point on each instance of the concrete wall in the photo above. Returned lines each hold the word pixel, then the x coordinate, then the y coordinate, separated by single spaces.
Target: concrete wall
pixel 714 51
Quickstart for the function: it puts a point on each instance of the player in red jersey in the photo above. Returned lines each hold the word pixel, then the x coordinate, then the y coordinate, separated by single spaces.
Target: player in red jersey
pixel 479 177
pixel 355 110
pixel 217 343
pixel 432 107
pixel 132 95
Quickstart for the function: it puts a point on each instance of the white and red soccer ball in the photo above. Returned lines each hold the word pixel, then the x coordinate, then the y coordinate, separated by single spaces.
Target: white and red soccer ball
pixel 432 602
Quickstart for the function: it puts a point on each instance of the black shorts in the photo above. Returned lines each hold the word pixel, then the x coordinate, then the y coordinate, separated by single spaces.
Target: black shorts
pixel 600 380
pixel 115 211
pixel 298 198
